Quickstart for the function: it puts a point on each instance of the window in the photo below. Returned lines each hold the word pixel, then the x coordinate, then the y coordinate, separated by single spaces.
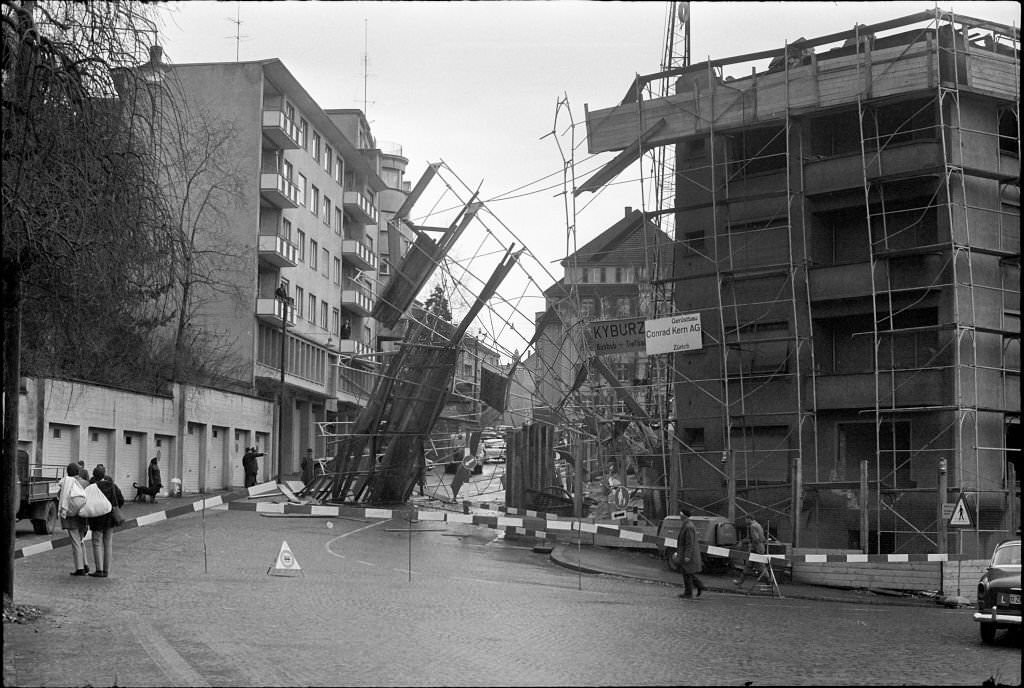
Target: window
pixel 302 246
pixel 311 315
pixel 585 275
pixel 337 270
pixel 286 229
pixel 339 219
pixel 303 191
pixel 838 134
pixel 299 301
pixel 316 146
pixel 1009 132
pixel 314 205
pixel 325 262
pixel 287 170
pixel 328 160
pixel 602 276
pixel 335 321
pixel 623 306
pixel 620 275
pixel 367 335
pixel 754 151
pixel 303 133
pixel 327 211
pixel 313 255
pixel 384 267
pixel 339 170
pixel 912 120
pixel 587 308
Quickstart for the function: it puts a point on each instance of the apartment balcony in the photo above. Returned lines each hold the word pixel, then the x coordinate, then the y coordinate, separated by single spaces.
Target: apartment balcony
pixel 280 130
pixel 913 389
pixel 278 191
pixel 353 347
pixel 278 251
pixel 357 298
pixel 272 311
pixel 358 254
pixel 362 208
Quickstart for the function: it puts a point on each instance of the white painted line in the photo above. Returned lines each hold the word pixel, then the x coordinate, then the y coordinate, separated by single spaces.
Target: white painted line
pixel 816 558
pixel 898 557
pixel 938 557
pixel 857 558
pixel 379 513
pixel 504 521
pixel 460 518
pixel 39 548
pixel 269 508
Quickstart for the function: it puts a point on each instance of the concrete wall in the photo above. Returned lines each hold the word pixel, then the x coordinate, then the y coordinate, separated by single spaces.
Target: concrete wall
pixel 131 428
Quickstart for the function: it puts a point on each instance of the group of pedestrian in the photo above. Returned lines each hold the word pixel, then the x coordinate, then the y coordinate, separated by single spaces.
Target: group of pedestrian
pixel 75 494
pixel 689 553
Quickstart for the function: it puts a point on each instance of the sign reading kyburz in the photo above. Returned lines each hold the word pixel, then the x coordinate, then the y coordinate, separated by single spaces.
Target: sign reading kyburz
pixel 661 336
pixel 675 333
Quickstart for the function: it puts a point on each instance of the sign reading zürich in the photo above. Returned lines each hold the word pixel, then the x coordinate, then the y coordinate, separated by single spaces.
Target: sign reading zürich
pixel 661 336
pixel 672 334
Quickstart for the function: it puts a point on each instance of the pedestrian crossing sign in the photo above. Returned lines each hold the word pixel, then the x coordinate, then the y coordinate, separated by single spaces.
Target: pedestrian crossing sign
pixel 961 517
pixel 286 564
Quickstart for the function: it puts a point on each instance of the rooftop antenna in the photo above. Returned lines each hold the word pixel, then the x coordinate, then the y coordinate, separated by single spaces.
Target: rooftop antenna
pixel 366 66
pixel 237 21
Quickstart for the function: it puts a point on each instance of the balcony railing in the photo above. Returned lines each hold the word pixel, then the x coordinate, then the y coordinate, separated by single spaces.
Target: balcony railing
pixel 353 347
pixel 359 254
pixel 357 298
pixel 272 311
pixel 278 191
pixel 278 251
pixel 280 130
pixel 362 208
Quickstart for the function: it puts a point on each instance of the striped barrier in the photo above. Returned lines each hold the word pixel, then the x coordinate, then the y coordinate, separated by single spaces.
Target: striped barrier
pixel 529 523
pixel 261 490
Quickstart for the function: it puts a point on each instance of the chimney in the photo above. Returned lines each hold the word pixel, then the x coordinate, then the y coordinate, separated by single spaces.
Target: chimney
pixel 156 54
pixel 629 211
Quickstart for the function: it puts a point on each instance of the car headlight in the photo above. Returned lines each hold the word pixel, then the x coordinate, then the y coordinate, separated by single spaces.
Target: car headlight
pixel 982 589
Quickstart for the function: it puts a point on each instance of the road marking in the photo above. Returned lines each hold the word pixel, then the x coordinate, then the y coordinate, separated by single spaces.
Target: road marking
pixel 327 545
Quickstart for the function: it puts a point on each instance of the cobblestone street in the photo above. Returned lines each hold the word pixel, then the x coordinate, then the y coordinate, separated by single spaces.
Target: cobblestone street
pixel 477 611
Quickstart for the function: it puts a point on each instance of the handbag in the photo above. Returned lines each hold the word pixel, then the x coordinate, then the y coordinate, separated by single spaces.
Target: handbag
pixel 96 503
pixel 76 498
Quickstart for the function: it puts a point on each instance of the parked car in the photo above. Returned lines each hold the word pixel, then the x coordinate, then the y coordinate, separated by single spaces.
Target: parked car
pixel 711 530
pixel 494 450
pixel 999 592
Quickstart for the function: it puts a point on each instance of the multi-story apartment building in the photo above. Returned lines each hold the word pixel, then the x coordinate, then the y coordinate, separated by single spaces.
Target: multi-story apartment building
pixel 607 279
pixel 302 233
pixel 848 228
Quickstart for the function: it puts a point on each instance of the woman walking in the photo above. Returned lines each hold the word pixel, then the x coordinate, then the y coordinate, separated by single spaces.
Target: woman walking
pixel 75 525
pixel 103 526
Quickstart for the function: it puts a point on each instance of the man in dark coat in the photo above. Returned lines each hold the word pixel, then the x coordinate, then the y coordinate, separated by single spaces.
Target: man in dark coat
pixel 689 557
pixel 250 465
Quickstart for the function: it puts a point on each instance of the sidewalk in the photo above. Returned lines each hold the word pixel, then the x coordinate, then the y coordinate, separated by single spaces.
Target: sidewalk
pixel 646 565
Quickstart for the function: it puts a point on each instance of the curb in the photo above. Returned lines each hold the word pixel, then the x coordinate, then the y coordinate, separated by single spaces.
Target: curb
pixel 787 594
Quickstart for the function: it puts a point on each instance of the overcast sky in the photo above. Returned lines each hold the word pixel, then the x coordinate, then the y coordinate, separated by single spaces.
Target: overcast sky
pixel 476 85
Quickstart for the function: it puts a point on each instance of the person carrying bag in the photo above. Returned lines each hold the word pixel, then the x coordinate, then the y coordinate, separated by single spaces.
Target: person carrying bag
pixel 102 524
pixel 72 499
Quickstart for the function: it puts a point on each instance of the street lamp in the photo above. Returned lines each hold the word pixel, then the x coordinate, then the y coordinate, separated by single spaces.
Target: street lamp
pixel 286 303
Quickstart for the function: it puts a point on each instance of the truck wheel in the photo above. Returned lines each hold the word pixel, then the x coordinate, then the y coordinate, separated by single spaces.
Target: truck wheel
pixel 46 522
pixel 672 560
pixel 988 633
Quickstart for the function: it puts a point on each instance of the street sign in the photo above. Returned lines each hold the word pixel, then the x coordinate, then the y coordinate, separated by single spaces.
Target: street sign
pixel 947 510
pixel 961 517
pixel 672 334
pixel 616 336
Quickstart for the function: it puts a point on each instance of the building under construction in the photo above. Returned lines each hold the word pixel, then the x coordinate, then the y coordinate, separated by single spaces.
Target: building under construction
pixel 847 225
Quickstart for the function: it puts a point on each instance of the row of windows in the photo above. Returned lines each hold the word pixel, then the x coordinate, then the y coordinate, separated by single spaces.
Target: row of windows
pixel 320 151
pixel 623 307
pixel 302 359
pixel 606 275
pixel 310 251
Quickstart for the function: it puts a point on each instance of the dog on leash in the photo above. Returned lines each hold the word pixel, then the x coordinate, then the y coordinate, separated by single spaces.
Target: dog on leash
pixel 141 492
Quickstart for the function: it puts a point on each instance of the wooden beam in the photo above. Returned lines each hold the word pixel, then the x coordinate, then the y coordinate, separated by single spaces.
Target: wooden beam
pixel 621 161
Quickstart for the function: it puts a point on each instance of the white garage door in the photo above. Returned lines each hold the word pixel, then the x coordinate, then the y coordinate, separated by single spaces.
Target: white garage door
pixel 215 459
pixel 99 449
pixel 192 458
pixel 236 476
pixel 59 448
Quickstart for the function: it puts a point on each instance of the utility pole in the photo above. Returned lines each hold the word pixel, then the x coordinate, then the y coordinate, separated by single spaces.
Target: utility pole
pixel 286 305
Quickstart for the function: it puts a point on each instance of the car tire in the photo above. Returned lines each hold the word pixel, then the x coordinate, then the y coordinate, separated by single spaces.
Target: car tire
pixel 47 524
pixel 988 633
pixel 672 560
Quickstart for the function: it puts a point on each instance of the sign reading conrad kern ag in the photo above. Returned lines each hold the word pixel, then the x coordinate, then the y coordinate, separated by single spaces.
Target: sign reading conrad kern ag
pixel 675 333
